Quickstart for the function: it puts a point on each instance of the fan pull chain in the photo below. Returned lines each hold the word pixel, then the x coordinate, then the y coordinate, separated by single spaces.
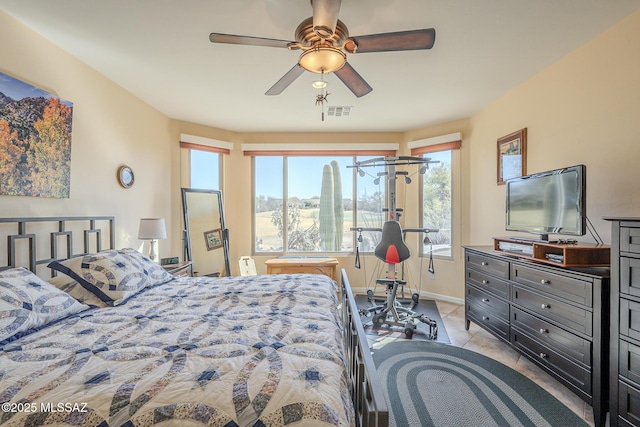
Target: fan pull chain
pixel 321 99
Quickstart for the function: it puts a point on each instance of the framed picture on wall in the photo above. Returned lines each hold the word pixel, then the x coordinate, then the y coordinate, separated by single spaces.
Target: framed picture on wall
pixel 35 141
pixel 512 156
pixel 213 239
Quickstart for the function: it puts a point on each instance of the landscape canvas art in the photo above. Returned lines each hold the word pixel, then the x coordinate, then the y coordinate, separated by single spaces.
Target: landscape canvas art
pixel 35 141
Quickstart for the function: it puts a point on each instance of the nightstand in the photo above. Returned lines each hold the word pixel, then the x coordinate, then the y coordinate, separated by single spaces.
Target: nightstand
pixel 181 269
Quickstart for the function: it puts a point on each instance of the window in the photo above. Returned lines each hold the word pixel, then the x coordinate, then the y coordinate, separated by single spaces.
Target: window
pixel 201 159
pixel 437 202
pixel 205 169
pixel 371 202
pixel 268 210
pixel 320 209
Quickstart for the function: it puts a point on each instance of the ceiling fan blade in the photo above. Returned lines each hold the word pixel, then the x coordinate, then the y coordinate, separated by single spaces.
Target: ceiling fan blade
pixel 401 40
pixel 247 40
pixel 285 80
pixel 353 80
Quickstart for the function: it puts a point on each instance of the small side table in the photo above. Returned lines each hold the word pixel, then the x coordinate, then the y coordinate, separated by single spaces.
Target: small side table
pixel 326 266
pixel 181 269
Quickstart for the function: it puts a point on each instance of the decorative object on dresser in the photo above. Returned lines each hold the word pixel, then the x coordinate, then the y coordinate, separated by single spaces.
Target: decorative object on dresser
pixel 556 317
pixel 312 265
pixel 624 376
pixel 152 229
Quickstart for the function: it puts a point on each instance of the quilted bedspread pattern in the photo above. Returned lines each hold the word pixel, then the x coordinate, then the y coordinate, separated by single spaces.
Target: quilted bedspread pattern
pixel 239 351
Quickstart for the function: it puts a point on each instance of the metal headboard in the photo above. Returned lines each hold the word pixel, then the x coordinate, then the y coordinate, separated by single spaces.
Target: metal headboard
pixel 33 230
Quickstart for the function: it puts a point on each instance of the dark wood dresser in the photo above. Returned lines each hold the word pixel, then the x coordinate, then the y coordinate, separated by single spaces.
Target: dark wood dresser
pixel 557 317
pixel 625 321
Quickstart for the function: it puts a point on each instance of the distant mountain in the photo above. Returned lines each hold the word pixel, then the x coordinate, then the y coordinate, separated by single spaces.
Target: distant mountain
pixel 4 99
pixel 22 114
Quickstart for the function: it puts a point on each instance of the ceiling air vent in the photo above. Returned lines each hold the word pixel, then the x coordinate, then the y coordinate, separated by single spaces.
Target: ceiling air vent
pixel 339 111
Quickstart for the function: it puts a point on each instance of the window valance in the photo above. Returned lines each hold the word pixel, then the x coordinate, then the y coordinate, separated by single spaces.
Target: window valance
pixel 452 141
pixel 355 149
pixel 205 144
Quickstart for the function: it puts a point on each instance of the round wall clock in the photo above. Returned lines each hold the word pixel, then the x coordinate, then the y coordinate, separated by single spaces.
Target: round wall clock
pixel 125 176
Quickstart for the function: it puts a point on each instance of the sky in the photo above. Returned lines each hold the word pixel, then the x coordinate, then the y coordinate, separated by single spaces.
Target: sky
pixel 305 175
pixel 17 90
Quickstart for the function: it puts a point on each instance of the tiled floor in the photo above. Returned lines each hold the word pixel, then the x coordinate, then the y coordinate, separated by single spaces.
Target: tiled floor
pixel 480 341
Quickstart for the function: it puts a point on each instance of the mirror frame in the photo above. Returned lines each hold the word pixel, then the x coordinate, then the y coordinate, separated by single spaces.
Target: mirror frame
pixel 223 227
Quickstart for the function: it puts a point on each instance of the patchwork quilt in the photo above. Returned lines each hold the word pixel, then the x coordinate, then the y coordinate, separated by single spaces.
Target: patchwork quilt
pixel 238 351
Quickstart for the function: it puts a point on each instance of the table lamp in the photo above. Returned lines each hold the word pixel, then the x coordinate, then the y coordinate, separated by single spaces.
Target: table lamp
pixel 152 229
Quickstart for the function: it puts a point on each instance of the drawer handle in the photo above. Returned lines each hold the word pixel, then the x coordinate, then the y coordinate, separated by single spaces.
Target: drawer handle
pixel 543 355
pixel 484 263
pixel 545 281
pixel 485 318
pixel 485 282
pixel 544 331
pixel 485 299
pixel 546 306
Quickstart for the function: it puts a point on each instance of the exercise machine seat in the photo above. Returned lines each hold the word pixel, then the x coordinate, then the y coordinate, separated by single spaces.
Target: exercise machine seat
pixel 392 248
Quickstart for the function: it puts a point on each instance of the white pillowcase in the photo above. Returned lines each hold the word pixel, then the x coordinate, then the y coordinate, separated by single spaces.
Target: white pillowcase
pixel 27 302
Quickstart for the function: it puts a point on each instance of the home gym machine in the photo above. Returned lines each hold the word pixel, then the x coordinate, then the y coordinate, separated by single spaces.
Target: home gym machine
pixel 392 250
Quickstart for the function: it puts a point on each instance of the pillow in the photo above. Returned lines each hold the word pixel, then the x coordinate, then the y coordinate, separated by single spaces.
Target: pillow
pixel 113 275
pixel 27 302
pixel 75 289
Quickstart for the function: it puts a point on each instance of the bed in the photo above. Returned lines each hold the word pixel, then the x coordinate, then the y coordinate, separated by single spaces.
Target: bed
pixel 117 341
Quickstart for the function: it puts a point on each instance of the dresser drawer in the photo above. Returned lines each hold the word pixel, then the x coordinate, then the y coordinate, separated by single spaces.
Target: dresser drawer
pixel 630 276
pixel 488 283
pixel 569 288
pixel 573 373
pixel 489 302
pixel 487 319
pixel 557 311
pixel 629 361
pixel 552 336
pixel 628 404
pixel 496 267
pixel 630 239
pixel 630 318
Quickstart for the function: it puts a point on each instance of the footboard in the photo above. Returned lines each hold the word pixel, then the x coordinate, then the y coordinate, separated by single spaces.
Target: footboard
pixel 365 387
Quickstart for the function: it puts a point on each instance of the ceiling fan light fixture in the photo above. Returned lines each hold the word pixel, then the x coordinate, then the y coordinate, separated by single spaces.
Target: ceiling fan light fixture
pixel 319 84
pixel 322 59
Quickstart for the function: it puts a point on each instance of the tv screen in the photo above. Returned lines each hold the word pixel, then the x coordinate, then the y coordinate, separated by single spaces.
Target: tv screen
pixel 550 202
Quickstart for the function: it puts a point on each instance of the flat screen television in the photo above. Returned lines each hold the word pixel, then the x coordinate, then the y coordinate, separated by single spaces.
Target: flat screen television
pixel 546 203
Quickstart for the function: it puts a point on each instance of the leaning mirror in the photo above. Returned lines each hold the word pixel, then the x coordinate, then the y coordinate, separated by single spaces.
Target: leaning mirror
pixel 206 237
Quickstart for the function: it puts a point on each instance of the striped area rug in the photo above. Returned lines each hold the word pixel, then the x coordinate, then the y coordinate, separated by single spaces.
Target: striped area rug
pixel 432 384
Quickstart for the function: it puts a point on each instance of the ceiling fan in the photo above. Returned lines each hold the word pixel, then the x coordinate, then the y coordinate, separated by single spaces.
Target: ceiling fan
pixel 325 42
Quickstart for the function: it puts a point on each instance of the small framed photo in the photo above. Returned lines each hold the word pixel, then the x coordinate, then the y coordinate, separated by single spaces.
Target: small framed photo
pixel 213 239
pixel 512 156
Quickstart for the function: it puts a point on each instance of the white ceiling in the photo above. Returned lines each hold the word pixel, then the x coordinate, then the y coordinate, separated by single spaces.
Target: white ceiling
pixel 159 50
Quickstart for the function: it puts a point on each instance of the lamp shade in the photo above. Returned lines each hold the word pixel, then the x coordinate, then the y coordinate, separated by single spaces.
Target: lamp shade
pixel 152 229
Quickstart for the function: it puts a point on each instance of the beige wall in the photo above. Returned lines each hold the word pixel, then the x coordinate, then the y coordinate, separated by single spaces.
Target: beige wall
pixel 583 109
pixel 111 127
